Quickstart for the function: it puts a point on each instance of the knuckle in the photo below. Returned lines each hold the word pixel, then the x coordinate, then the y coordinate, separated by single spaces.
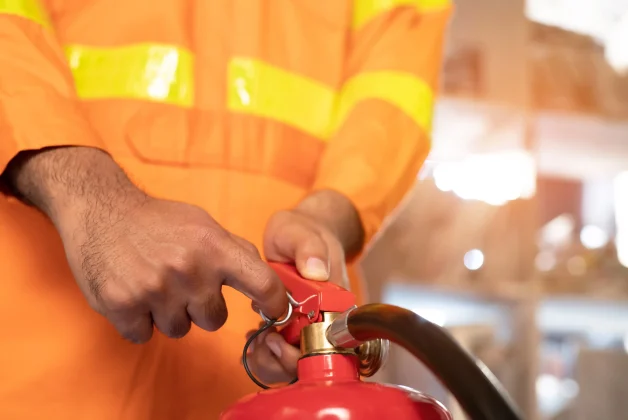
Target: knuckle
pixel 117 299
pixel 153 286
pixel 235 255
pixel 278 223
pixel 210 237
pixel 315 241
pixel 181 261
pixel 248 246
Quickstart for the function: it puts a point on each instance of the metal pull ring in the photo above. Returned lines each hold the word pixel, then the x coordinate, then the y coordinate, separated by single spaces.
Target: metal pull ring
pixel 291 303
pixel 283 321
pixel 268 323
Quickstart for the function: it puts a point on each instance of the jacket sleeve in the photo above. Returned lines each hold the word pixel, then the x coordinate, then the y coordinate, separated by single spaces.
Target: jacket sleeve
pixel 38 105
pixel 382 124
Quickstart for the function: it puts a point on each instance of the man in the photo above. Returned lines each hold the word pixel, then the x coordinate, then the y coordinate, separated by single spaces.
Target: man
pixel 148 149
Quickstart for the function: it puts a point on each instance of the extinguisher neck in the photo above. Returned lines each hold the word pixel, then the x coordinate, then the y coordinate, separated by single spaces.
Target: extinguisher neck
pixel 328 367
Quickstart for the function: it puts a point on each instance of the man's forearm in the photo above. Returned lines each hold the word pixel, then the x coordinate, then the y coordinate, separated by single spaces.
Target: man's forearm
pixel 67 177
pixel 339 215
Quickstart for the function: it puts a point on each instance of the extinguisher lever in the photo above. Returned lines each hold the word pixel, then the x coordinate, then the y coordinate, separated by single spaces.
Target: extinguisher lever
pixel 310 300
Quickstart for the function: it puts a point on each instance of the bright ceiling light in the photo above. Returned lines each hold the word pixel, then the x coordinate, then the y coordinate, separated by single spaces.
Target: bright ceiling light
pixel 593 237
pixel 494 178
pixel 474 259
pixel 445 175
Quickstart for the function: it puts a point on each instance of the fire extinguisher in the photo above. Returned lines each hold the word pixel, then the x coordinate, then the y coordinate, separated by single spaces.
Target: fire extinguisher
pixel 340 343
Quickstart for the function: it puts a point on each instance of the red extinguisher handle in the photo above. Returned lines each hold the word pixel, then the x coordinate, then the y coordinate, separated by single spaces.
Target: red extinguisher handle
pixel 309 299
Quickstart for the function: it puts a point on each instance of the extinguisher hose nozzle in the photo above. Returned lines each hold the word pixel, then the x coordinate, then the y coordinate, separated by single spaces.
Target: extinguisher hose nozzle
pixel 477 391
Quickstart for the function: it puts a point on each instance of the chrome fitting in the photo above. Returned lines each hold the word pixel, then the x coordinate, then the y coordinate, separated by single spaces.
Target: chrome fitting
pixel 338 332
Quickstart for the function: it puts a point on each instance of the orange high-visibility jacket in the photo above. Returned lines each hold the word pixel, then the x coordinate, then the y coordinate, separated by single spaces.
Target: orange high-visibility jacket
pixel 238 106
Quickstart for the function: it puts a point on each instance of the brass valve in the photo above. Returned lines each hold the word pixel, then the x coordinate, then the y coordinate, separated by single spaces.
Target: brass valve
pixel 371 354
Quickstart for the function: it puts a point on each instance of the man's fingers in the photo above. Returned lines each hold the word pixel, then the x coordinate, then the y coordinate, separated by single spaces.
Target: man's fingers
pixel 173 322
pixel 246 272
pixel 209 312
pixel 134 326
pixel 299 243
pixel 268 367
pixel 287 355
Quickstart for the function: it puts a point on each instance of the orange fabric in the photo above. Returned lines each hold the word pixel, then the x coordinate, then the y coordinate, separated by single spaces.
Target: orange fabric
pixel 61 360
pixel 375 156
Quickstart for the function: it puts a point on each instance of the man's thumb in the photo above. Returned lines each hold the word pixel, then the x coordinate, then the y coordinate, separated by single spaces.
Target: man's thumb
pixel 302 245
pixel 311 255
pixel 314 268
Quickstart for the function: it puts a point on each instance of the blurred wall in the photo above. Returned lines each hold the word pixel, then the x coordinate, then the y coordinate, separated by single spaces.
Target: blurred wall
pixel 496 32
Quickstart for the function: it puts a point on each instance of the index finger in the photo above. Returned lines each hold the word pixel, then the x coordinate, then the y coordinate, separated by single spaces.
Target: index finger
pixel 246 272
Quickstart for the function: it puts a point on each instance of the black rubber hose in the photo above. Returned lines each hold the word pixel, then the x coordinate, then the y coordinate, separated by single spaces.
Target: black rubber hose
pixel 478 392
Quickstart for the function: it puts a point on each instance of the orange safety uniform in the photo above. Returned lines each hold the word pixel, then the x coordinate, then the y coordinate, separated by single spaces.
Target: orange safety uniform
pixel 238 106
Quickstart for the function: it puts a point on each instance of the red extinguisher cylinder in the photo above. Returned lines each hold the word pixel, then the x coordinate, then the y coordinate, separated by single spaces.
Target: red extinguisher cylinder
pixel 329 388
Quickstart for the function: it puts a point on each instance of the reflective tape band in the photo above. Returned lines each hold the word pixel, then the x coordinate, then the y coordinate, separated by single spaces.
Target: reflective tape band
pixel 405 91
pixel 162 73
pixel 366 10
pixel 31 10
pixel 257 88
pixel 153 72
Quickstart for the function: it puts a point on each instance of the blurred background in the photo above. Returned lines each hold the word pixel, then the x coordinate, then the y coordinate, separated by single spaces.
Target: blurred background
pixel 515 237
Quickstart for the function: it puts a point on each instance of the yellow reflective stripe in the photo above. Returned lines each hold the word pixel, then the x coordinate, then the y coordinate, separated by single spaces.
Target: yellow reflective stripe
pixel 405 91
pixel 257 88
pixel 365 10
pixel 28 9
pixel 153 72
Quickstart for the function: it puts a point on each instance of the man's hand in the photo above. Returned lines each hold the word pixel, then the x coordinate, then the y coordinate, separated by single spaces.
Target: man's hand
pixel 316 236
pixel 140 260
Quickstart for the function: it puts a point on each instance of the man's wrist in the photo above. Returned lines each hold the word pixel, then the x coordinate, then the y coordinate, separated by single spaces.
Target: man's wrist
pixel 61 178
pixel 338 214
